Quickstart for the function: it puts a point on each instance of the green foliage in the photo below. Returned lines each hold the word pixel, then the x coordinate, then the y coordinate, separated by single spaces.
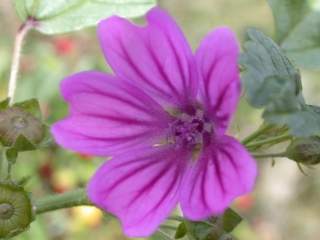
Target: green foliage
pixel 297 30
pixel 52 17
pixel 181 231
pixel 216 228
pixel 272 82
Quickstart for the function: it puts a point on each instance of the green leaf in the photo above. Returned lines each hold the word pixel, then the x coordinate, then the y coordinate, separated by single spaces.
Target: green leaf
pixel 272 82
pixel 288 14
pixel 61 16
pixel 23 144
pixel 21 9
pixel 214 228
pixel 303 43
pixel 302 123
pixel 297 27
pixel 268 73
pixel 181 231
pixel 230 220
pixel 4 104
pixel 11 155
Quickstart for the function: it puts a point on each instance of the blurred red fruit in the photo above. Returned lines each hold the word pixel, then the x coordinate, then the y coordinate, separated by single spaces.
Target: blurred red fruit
pixel 245 203
pixel 64 45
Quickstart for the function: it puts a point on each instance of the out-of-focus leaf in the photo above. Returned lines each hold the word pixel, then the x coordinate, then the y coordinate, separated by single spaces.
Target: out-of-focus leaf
pixel 288 14
pixel 23 144
pixel 297 31
pixel 181 231
pixel 213 228
pixel 19 5
pixel 11 155
pixel 230 220
pixel 303 45
pixel 4 104
pixel 64 16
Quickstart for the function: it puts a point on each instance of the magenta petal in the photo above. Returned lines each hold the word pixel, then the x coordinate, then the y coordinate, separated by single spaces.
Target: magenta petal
pixel 224 171
pixel 140 187
pixel 156 57
pixel 107 115
pixel 217 60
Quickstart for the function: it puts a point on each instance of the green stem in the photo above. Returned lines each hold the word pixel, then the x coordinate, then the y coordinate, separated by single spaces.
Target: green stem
pixel 269 155
pixel 15 64
pixel 269 141
pixel 60 201
pixel 255 134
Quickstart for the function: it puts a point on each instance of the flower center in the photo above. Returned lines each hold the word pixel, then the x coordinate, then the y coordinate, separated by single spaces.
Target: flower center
pixel 190 130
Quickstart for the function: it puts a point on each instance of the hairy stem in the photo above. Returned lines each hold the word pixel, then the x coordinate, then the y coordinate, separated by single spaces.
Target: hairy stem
pixel 270 141
pixel 269 155
pixel 15 64
pixel 255 134
pixel 60 201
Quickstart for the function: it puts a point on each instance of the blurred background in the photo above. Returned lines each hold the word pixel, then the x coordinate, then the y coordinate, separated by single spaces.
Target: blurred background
pixel 285 204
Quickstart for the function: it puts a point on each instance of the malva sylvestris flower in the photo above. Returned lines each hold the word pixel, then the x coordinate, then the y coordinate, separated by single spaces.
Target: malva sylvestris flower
pixel 162 117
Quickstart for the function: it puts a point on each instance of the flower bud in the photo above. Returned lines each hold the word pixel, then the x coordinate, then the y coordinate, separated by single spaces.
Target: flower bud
pixel 305 150
pixel 15 121
pixel 15 210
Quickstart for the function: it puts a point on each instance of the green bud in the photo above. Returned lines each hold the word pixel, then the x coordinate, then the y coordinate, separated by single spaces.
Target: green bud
pixel 15 210
pixel 305 150
pixel 16 122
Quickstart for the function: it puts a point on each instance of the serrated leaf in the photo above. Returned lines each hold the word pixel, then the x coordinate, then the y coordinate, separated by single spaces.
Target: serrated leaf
pixel 296 29
pixel 268 73
pixel 62 16
pixel 272 82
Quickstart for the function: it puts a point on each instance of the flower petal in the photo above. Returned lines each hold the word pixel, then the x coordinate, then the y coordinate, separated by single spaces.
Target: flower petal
pixel 217 60
pixel 224 171
pixel 141 188
pixel 107 115
pixel 156 57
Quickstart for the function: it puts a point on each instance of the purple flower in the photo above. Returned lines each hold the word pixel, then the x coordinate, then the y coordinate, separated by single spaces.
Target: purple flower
pixel 162 118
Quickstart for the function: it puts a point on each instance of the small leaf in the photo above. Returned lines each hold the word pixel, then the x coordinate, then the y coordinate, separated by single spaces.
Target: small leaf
pixel 61 16
pixel 23 144
pixel 181 231
pixel 4 104
pixel 230 220
pixel 11 155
